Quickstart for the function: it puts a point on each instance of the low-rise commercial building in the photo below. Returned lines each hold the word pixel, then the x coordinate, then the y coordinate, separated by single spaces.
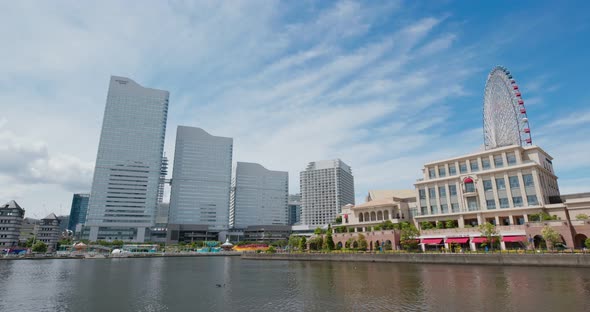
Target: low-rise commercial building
pixel 48 232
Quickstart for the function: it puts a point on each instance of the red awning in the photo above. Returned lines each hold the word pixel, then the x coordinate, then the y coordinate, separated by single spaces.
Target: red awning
pixel 468 180
pixel 513 239
pixel 457 240
pixel 479 240
pixel 432 241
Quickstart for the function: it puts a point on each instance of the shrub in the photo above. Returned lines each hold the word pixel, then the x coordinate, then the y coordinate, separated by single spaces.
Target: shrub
pixel 450 224
pixel 587 243
pixel 582 216
pixel 271 249
pixel 40 247
pixel 440 225
pixel 425 225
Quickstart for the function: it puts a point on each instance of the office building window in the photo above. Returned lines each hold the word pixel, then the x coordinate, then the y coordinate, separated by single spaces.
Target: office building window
pixel 513 180
pixel 500 184
pixel 442 191
pixel 491 204
pixel 517 200
pixel 424 210
pixel 504 203
pixel 487 185
pixel 463 167
pixel 452 170
pixel 444 208
pixel 442 172
pixel 472 204
pixel 498 161
pixel 532 200
pixel 453 189
pixel 511 158
pixel 474 165
pixel 431 173
pixel 469 187
pixel 422 193
pixel 432 193
pixel 454 207
pixel 485 163
pixel 528 180
pixel 434 209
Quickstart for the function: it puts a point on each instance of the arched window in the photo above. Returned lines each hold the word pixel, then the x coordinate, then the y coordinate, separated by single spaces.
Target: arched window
pixel 379 215
pixel 373 216
pixel 361 217
pixel 367 217
pixel 386 214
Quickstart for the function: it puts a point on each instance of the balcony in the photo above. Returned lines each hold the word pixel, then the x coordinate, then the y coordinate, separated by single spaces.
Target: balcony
pixel 471 230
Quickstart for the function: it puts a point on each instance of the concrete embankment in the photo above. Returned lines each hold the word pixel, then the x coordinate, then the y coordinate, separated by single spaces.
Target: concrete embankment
pixel 562 260
pixel 128 256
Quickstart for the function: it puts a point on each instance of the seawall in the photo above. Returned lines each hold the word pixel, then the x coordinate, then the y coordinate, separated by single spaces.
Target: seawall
pixel 561 260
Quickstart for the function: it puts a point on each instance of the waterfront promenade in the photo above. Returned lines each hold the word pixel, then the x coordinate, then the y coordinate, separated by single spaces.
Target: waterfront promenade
pixel 502 259
pixel 129 255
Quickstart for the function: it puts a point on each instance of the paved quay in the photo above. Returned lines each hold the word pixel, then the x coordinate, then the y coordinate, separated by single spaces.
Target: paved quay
pixel 558 259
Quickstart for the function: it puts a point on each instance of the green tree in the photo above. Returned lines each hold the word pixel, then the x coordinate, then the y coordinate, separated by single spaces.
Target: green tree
pixel 118 243
pixel 409 236
pixel 271 249
pixel 316 243
pixel 450 224
pixel 29 242
pixel 279 243
pixel 425 225
pixel 582 216
pixel 293 242
pixel 387 245
pixel 587 243
pixel 302 243
pixel 550 236
pixel 329 241
pixel 338 220
pixel 40 247
pixel 350 243
pixel 363 245
pixel 318 231
pixel 489 231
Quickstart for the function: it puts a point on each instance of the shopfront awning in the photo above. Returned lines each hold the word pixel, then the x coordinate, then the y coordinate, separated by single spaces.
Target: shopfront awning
pixel 457 240
pixel 432 241
pixel 514 239
pixel 479 240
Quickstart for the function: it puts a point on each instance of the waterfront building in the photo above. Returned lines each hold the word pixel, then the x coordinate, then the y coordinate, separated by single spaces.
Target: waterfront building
pixel 201 182
pixel 294 209
pixel 259 196
pixel 124 195
pixel 393 206
pixel 48 232
pixel 326 186
pixel 28 230
pixel 78 211
pixel 11 219
pixel 267 233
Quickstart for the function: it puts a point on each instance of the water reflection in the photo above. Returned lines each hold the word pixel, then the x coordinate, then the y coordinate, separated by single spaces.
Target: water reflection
pixel 230 284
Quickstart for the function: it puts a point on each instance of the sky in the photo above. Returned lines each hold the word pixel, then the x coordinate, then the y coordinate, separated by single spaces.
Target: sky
pixel 386 86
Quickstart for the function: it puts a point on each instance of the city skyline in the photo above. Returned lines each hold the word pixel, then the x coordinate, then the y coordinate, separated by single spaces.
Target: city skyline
pixel 366 90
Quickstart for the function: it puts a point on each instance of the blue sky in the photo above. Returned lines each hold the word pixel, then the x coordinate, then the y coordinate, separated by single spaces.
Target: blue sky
pixel 385 86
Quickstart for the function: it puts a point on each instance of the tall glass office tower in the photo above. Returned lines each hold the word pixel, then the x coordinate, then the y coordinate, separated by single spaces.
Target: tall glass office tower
pixel 201 179
pixel 124 192
pixel 78 210
pixel 259 196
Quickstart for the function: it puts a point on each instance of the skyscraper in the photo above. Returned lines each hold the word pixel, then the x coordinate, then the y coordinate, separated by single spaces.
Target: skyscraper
pixel 201 179
pixel 78 211
pixel 128 164
pixel 294 210
pixel 326 186
pixel 163 174
pixel 259 196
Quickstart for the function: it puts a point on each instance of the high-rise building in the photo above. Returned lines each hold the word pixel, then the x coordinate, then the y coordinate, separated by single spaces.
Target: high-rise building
pixel 163 174
pixel 259 196
pixel 201 180
pixel 11 220
pixel 294 209
pixel 124 193
pixel 326 186
pixel 78 211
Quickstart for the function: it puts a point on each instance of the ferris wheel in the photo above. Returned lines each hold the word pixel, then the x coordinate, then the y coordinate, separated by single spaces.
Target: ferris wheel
pixel 505 121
